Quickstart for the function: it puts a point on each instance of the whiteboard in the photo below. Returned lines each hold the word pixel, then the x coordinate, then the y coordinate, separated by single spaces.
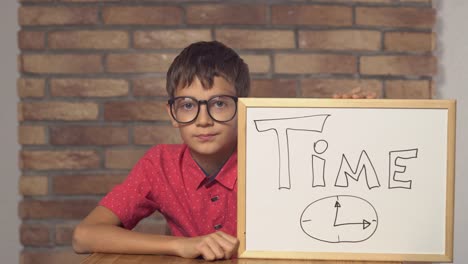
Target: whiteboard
pixel 346 179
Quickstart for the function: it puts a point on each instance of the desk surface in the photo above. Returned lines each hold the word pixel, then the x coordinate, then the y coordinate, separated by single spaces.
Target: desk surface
pixel 99 258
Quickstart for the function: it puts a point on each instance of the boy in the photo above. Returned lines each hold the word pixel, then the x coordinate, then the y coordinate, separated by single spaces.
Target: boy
pixel 193 184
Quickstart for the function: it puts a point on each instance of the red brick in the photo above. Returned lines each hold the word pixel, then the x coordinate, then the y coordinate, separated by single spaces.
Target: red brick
pixel 30 87
pixel 89 135
pixel 136 110
pixel 55 209
pixel 59 160
pixel 149 87
pixel 34 235
pixel 295 63
pixel 273 88
pixel 58 111
pixel 408 89
pixel 311 15
pixel 409 41
pixel 32 135
pixel 257 63
pixel 35 1
pixel 51 257
pixel 89 87
pixel 34 185
pixel 88 39
pixel 239 14
pixel 398 65
pixel 92 1
pixel 417 1
pixel 139 63
pixel 31 40
pixel 41 15
pixel 142 15
pixel 123 158
pixel 64 234
pixel 326 88
pixel 395 2
pixel 152 135
pixel 395 17
pixel 60 63
pixel 85 184
pixel 169 39
pixel 365 40
pixel 367 1
pixel 256 39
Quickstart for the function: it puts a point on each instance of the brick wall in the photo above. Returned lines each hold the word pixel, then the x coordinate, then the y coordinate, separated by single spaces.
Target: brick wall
pixel 92 87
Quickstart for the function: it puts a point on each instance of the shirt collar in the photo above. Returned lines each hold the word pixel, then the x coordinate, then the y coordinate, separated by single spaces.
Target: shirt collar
pixel 227 176
pixel 194 175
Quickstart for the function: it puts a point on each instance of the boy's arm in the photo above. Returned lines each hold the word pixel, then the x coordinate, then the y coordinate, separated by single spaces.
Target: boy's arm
pixel 100 231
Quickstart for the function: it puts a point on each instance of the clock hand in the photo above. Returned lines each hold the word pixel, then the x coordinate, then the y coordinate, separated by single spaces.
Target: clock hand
pixel 337 206
pixel 365 224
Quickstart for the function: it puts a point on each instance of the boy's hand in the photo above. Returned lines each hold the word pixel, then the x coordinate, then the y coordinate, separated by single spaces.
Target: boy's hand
pixel 355 93
pixel 218 245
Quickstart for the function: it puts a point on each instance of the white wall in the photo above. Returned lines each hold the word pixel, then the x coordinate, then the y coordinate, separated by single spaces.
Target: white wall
pixel 452 83
pixel 9 173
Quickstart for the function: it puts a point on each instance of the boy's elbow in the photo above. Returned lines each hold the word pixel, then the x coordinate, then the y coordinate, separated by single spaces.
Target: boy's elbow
pixel 79 239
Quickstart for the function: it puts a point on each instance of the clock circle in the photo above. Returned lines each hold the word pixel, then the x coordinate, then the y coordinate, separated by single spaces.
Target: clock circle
pixel 339 219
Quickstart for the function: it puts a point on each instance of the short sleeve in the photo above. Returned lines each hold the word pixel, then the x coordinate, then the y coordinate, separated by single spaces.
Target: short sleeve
pixel 132 200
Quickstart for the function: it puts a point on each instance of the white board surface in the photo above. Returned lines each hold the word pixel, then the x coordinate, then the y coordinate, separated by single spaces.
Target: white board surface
pixel 346 179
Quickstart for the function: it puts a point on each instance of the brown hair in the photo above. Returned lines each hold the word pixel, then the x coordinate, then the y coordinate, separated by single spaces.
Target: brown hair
pixel 206 60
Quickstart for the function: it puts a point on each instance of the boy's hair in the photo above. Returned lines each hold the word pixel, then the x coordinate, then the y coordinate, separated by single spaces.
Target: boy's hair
pixel 206 60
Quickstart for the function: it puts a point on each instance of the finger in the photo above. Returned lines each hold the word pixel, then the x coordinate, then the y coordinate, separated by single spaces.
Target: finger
pixel 356 90
pixel 229 238
pixel 216 247
pixel 229 244
pixel 337 96
pixel 206 252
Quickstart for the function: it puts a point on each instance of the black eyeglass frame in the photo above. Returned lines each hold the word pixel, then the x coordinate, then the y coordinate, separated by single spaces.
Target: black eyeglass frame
pixel 199 103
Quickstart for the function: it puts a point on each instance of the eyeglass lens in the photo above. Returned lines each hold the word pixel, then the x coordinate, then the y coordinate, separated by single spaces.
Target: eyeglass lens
pixel 220 108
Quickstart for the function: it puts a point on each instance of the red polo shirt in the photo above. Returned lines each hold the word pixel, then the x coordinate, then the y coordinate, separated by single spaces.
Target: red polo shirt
pixel 168 180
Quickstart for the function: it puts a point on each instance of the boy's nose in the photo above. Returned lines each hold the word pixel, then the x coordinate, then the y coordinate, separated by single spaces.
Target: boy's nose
pixel 204 118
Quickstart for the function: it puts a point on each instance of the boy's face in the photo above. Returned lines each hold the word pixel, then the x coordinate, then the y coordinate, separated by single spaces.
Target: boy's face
pixel 206 137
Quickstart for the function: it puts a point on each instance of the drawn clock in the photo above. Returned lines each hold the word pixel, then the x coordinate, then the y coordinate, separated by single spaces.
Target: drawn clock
pixel 339 219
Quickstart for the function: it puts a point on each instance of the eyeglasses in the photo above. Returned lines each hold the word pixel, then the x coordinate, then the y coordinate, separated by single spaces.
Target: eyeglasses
pixel 221 108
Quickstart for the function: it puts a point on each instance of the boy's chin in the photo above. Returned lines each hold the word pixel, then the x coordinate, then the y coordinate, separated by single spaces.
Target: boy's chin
pixel 205 151
pixel 211 151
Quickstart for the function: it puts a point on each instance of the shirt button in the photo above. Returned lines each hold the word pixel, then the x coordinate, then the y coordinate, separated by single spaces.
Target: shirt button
pixel 217 227
pixel 214 199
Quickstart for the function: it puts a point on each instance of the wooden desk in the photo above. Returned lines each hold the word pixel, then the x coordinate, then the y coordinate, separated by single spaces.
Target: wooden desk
pixel 99 258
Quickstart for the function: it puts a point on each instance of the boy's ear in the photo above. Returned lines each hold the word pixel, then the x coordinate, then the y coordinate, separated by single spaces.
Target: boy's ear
pixel 168 110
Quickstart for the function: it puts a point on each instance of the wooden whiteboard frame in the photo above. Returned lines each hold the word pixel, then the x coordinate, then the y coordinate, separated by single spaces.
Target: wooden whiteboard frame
pixel 245 103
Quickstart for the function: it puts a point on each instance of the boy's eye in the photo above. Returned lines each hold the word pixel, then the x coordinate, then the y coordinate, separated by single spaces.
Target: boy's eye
pixel 187 106
pixel 219 104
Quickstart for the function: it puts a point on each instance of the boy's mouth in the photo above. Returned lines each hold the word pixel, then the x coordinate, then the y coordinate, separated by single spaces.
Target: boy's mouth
pixel 205 137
